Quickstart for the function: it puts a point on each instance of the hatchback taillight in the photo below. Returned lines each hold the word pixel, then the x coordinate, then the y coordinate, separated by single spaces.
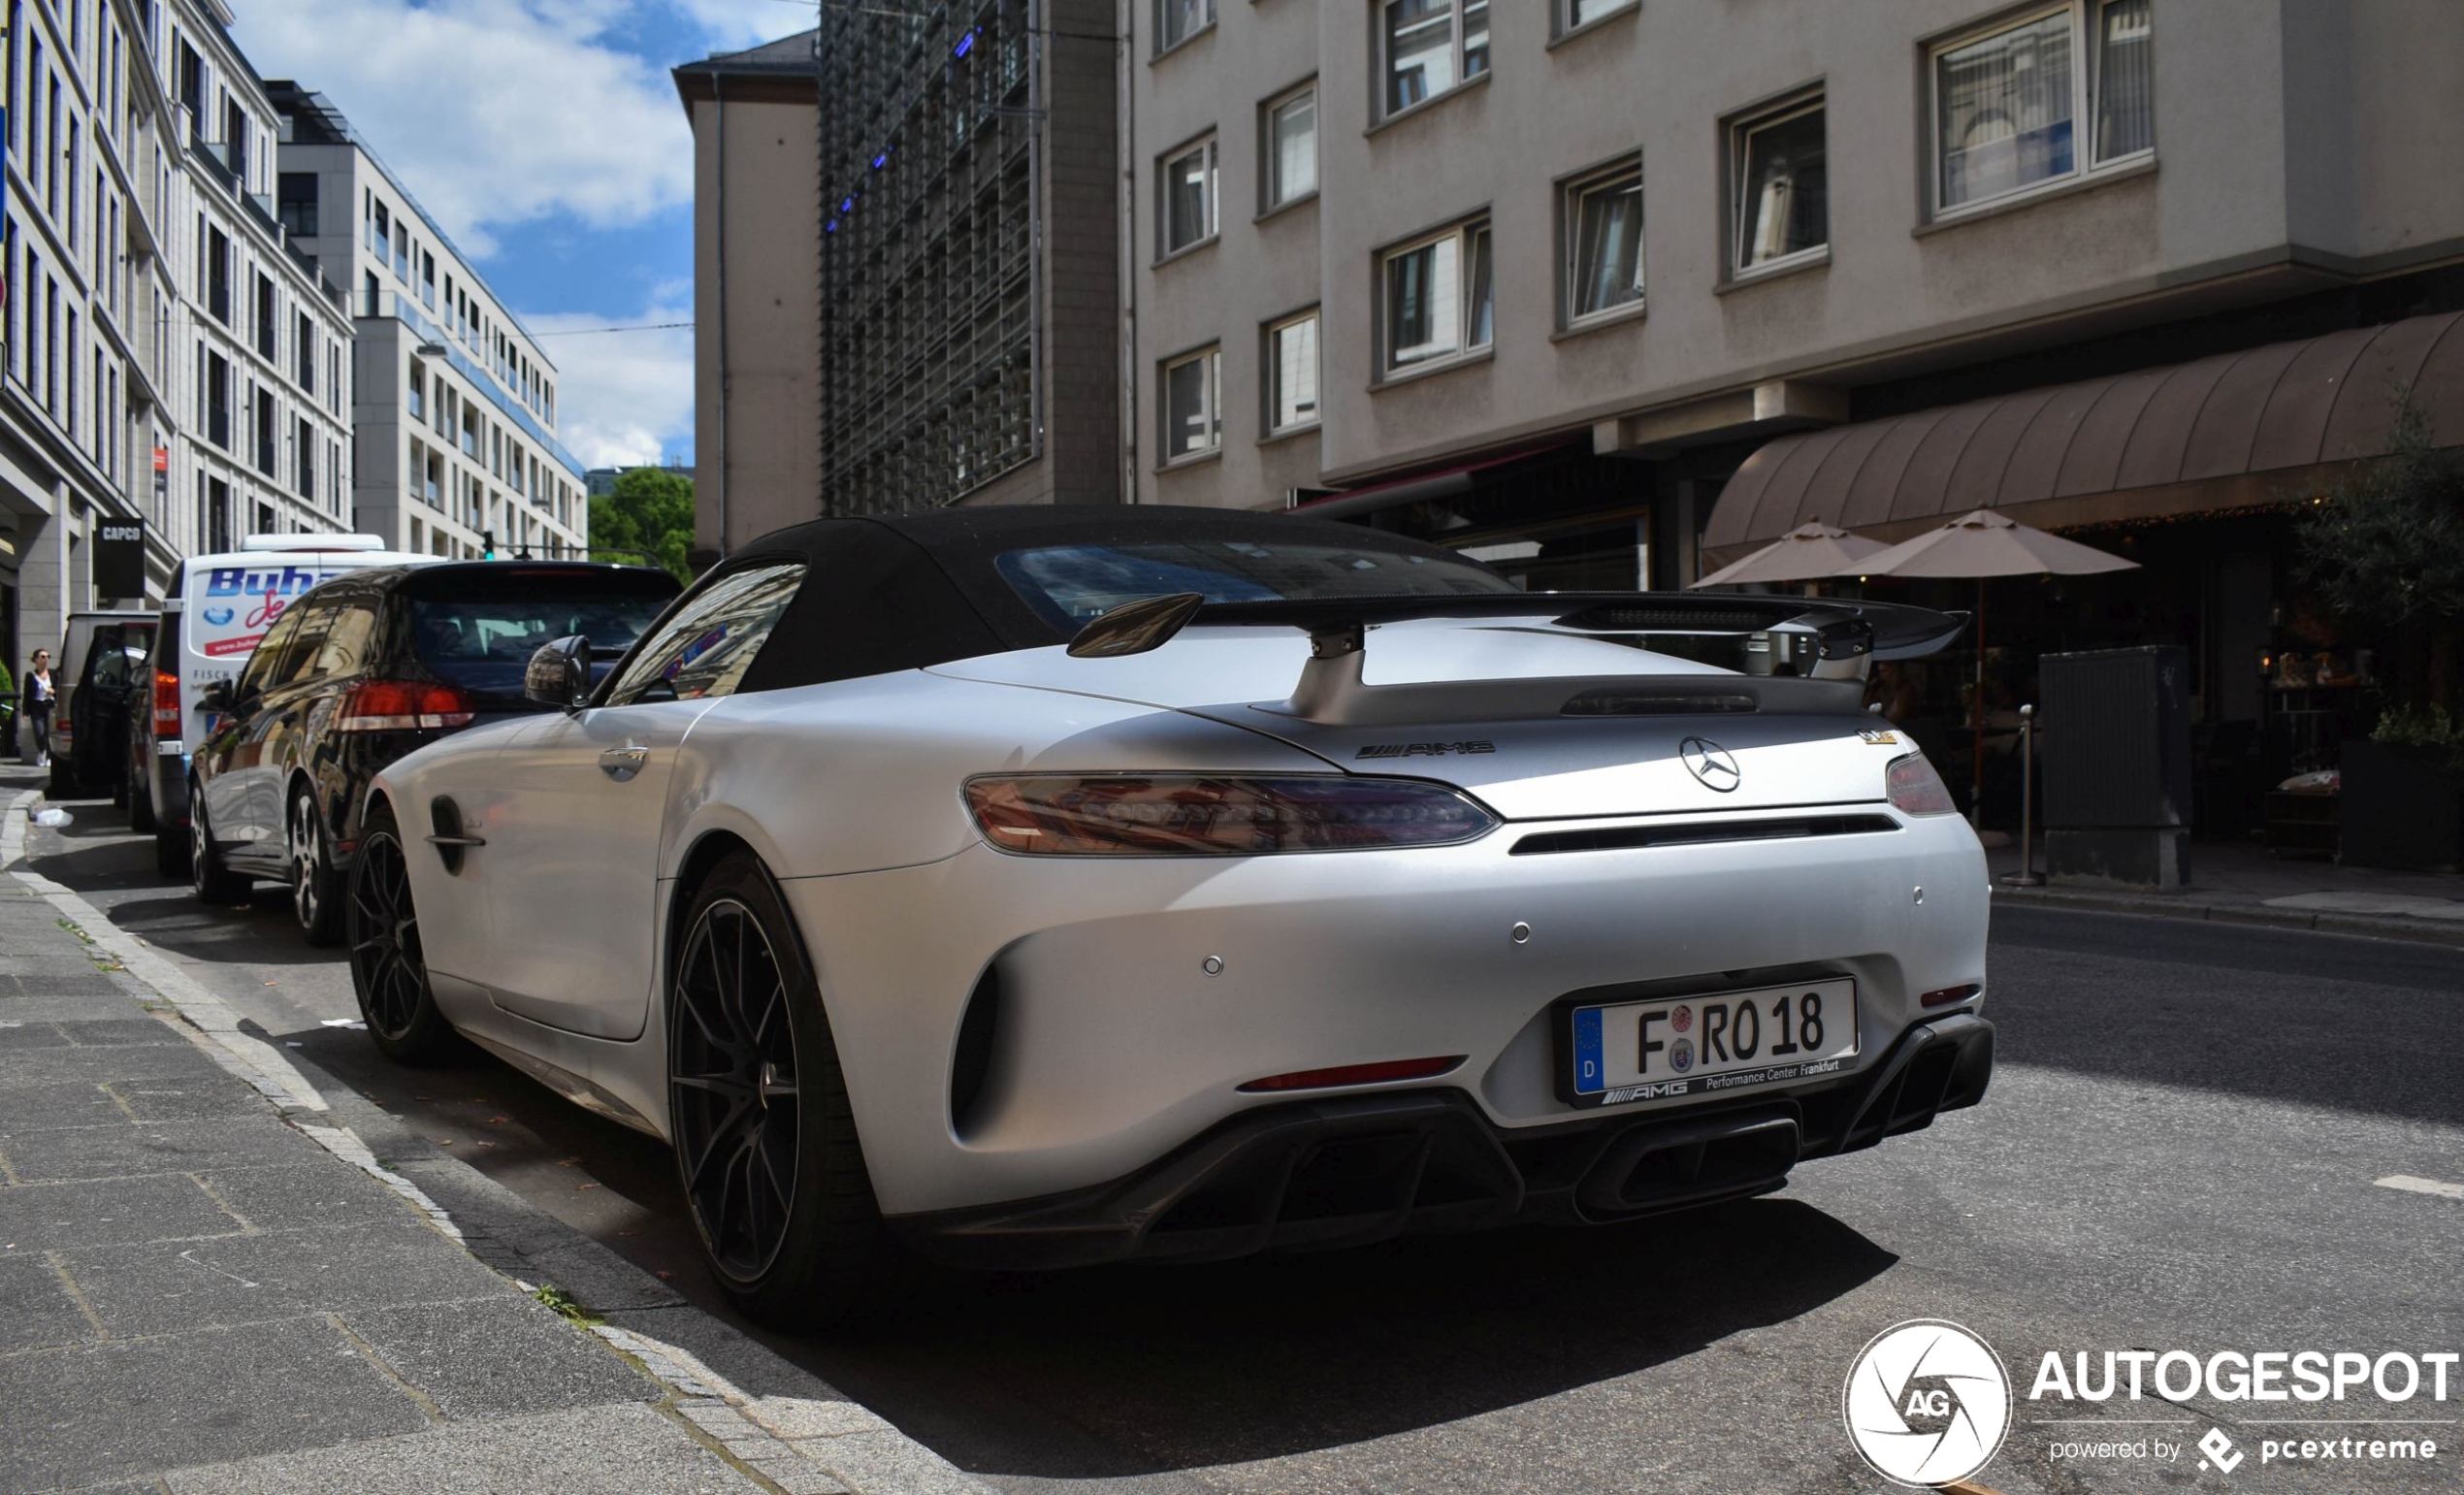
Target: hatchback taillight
pixel 166 706
pixel 402 705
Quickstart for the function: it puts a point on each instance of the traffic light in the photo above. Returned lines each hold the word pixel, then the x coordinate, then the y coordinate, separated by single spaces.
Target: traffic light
pixel 487 544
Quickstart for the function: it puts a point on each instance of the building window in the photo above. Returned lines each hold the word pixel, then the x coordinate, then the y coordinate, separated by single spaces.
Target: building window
pixel 1178 20
pixel 1291 372
pixel 1781 187
pixel 2007 102
pixel 1192 415
pixel 1189 197
pixel 417 387
pixel 219 276
pixel 1291 146
pixel 1432 46
pixel 268 328
pixel 2125 79
pixel 1603 242
pixel 1438 300
pixel 296 203
pixel 304 459
pixel 1582 13
pixel 303 352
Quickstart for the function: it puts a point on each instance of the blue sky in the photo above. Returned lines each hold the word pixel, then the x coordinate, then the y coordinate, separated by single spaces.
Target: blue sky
pixel 546 138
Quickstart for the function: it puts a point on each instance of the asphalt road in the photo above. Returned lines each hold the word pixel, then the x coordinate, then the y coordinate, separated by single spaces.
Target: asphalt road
pixel 2180 1151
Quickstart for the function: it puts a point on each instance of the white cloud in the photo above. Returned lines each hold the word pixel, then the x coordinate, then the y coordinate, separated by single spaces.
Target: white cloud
pixel 495 111
pixel 622 398
pixel 733 25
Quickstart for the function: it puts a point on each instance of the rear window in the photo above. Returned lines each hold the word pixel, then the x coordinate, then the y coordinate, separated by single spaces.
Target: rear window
pixel 481 633
pixel 1071 585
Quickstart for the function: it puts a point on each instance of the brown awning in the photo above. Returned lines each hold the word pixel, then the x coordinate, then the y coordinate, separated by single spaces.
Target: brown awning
pixel 2236 431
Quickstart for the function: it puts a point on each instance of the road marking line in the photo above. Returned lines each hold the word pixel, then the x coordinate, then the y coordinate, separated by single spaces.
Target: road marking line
pixel 2412 1186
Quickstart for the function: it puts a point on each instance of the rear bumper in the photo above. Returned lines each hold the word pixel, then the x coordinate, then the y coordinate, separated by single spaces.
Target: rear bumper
pixel 1350 1171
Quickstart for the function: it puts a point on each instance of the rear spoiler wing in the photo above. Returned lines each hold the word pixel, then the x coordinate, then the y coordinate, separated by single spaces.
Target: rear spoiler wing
pixel 1845 634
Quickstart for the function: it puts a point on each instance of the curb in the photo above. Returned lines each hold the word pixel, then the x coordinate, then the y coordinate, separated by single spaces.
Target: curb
pixel 2157 906
pixel 799 1445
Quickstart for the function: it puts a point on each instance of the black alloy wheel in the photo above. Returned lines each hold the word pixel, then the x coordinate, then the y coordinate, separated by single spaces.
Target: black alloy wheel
pixel 766 1144
pixel 389 970
pixel 207 877
pixel 312 882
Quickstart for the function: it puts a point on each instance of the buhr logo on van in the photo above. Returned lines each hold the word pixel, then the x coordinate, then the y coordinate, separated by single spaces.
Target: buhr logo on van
pixel 239 581
pixel 218 616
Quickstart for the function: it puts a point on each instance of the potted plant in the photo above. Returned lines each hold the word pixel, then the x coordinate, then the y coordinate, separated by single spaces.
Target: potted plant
pixel 2403 799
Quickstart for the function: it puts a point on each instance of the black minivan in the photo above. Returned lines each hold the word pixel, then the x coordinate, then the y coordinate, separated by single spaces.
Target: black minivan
pixel 360 672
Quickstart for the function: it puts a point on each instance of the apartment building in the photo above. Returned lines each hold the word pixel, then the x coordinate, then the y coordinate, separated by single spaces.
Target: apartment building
pixel 1542 279
pixel 964 244
pixel 175 364
pixel 454 402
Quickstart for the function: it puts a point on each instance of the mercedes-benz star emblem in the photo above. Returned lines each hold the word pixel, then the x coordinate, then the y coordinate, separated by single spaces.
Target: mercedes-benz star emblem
pixel 1712 764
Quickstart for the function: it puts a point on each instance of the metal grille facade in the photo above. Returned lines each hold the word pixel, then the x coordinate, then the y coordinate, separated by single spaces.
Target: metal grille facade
pixel 931 247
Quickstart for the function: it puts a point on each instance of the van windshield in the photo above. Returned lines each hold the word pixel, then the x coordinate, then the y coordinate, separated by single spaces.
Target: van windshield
pixel 479 633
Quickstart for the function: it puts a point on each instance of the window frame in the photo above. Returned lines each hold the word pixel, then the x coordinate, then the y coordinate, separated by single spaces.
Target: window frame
pixel 1463 232
pixel 2086 91
pixel 1271 198
pixel 1381 49
pixel 1572 191
pixel 1567 26
pixel 1741 127
pixel 1209 146
pixel 1211 395
pixel 1269 427
pixel 1166 43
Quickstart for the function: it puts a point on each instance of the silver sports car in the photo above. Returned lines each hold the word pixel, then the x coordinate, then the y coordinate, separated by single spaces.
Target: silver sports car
pixel 1039 887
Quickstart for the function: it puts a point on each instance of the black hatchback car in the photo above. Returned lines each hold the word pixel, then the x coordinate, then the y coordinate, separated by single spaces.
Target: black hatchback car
pixel 357 673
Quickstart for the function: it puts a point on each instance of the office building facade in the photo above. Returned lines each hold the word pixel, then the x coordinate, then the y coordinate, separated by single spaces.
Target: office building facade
pixel 455 404
pixel 174 361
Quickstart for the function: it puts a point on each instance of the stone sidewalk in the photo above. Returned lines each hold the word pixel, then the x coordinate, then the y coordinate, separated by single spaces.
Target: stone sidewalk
pixel 2237 882
pixel 210 1280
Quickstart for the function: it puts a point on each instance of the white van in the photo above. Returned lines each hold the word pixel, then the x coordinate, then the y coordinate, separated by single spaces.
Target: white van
pixel 220 605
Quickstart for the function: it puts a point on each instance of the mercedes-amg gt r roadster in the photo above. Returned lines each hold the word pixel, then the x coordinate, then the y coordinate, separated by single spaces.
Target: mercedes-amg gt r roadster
pixel 1053 885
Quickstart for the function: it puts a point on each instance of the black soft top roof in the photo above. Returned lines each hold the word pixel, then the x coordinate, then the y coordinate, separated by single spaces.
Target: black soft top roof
pixel 907 591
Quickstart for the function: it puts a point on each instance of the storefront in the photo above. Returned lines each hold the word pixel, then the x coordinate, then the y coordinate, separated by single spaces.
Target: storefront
pixel 2198 471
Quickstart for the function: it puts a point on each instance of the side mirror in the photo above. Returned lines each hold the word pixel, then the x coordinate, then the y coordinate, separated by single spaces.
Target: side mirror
pixel 218 697
pixel 559 674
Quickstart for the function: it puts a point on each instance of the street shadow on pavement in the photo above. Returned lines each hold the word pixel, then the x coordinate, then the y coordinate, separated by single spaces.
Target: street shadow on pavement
pixel 1169 1368
pixel 2353 1025
pixel 104 860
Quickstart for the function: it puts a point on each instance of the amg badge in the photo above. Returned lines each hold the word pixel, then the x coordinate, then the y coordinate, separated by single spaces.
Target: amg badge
pixel 1422 749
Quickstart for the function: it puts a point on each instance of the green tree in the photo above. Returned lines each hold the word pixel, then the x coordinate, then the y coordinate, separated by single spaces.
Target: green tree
pixel 651 511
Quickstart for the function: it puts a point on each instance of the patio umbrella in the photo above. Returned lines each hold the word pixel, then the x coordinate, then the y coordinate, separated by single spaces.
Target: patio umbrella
pixel 1810 552
pixel 1985 544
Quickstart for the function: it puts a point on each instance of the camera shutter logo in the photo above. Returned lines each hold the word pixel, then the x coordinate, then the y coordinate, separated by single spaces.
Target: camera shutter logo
pixel 1926 1402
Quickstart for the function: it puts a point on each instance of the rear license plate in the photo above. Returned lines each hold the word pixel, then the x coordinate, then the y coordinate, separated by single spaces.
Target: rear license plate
pixel 1703 1045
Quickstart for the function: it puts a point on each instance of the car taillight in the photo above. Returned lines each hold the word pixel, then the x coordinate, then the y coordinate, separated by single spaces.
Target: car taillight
pixel 1914 789
pixel 166 706
pixel 402 705
pixel 1199 815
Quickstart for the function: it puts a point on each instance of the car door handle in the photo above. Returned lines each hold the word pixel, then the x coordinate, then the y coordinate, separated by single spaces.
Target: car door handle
pixel 623 762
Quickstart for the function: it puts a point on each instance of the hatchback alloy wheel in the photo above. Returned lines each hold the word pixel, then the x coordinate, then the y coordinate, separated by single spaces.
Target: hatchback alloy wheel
pixel 311 879
pixel 733 1085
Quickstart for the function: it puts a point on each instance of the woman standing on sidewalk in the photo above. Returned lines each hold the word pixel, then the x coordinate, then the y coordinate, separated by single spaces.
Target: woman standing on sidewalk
pixel 40 697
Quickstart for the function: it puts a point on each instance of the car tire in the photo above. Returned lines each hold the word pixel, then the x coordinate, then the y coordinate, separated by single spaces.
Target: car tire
pixel 316 894
pixel 207 877
pixel 136 791
pixel 63 784
pixel 770 1166
pixel 170 850
pixel 389 966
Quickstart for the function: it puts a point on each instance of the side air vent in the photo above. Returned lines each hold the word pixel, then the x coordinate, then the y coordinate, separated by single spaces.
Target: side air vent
pixel 1701 834
pixel 1642 704
pixel 971 1064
